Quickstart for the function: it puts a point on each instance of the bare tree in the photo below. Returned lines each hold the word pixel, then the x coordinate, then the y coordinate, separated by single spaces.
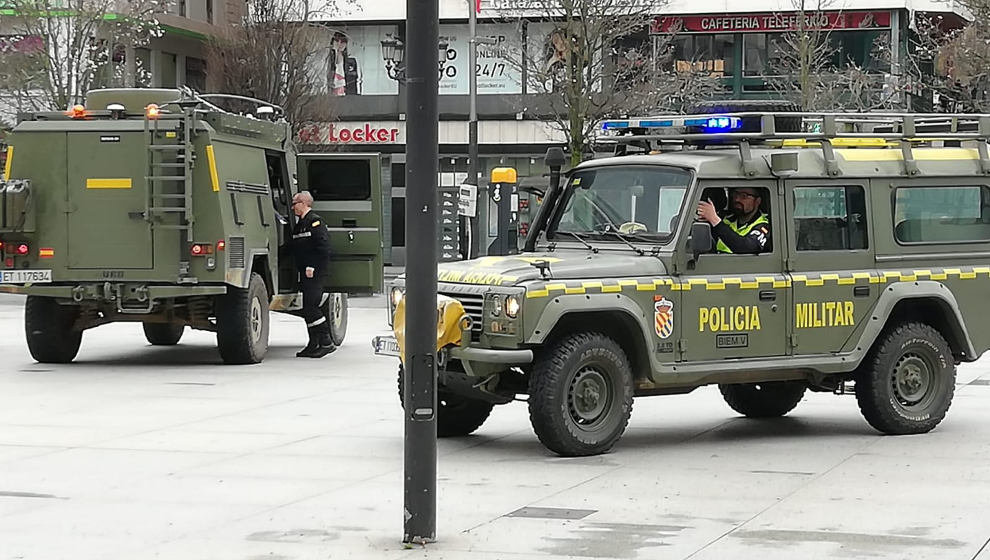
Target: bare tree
pixel 954 62
pixel 810 70
pixel 63 48
pixel 276 54
pixel 596 59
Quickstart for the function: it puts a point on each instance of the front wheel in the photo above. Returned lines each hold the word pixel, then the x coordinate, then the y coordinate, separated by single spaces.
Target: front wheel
pixel 242 323
pixel 906 385
pixel 48 328
pixel 580 395
pixel 763 400
pixel 456 415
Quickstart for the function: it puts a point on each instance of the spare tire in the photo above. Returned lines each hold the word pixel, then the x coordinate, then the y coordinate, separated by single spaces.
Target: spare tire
pixel 751 124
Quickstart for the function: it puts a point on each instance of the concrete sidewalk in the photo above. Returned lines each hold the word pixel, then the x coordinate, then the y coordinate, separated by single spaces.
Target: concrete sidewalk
pixel 141 452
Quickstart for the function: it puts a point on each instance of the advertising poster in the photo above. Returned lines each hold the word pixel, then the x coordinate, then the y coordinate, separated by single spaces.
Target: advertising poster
pixel 351 61
pixel 499 69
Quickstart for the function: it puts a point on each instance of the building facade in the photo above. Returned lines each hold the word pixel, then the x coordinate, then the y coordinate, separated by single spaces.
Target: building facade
pixel 735 42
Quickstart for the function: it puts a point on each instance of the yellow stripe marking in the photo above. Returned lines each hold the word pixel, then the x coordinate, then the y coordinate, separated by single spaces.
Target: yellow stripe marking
pixel 108 183
pixel 930 154
pixel 609 289
pixel 7 164
pixel 214 178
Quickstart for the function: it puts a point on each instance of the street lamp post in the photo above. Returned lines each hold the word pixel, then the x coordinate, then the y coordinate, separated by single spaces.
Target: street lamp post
pixel 394 52
pixel 473 163
pixel 419 382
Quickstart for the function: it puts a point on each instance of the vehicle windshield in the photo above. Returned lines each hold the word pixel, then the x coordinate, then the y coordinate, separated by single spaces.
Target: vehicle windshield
pixel 641 202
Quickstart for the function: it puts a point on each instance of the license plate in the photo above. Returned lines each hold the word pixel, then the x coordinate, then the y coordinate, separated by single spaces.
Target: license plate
pixel 25 276
pixel 386 346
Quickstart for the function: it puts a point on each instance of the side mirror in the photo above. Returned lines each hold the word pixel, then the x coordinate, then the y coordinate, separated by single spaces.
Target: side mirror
pixel 700 240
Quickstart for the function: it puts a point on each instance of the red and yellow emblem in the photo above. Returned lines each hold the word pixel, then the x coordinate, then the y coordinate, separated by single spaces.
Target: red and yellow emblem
pixel 663 316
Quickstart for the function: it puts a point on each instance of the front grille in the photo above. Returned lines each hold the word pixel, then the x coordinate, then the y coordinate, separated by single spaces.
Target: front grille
pixel 473 305
pixel 235 252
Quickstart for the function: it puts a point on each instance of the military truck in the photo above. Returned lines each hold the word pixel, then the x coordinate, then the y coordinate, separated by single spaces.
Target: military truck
pixel 157 206
pixel 874 280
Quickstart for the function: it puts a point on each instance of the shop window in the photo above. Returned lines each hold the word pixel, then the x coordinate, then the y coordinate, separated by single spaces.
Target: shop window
pixel 942 214
pixel 710 53
pixel 830 218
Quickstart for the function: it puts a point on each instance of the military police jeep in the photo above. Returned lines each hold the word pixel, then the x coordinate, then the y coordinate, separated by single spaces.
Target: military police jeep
pixel 875 277
pixel 157 206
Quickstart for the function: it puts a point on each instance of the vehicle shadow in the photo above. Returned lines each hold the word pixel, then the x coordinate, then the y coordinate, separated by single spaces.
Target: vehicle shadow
pixel 148 355
pixel 739 431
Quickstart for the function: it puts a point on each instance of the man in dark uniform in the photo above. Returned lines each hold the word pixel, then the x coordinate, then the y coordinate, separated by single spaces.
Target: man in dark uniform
pixel 311 252
pixel 746 230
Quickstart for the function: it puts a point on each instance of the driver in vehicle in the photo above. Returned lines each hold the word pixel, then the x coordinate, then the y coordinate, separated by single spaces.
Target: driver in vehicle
pixel 746 230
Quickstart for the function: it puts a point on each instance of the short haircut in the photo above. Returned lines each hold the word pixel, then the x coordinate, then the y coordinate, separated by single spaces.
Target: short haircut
pixel 305 197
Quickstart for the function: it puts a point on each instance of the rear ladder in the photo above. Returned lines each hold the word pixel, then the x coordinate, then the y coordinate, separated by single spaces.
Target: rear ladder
pixel 171 159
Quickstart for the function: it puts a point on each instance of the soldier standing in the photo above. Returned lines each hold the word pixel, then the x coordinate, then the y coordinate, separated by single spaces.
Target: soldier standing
pixel 311 252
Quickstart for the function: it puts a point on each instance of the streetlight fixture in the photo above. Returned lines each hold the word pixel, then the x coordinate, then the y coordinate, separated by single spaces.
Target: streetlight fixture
pixel 394 54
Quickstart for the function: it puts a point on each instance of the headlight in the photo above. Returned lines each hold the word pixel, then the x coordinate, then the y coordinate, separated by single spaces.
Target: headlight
pixel 512 306
pixel 496 305
pixel 396 296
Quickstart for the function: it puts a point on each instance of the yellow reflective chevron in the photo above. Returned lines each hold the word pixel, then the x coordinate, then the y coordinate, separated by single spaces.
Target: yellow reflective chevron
pixel 813 280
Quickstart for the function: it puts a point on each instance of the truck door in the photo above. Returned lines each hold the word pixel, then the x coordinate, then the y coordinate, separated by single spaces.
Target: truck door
pixel 107 196
pixel 347 193
pixel 736 306
pixel 831 261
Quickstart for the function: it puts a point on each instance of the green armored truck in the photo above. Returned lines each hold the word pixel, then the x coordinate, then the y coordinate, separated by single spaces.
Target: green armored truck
pixel 873 279
pixel 157 206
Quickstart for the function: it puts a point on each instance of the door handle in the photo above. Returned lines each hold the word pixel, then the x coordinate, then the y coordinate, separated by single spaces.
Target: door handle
pixel 350 236
pixel 136 215
pixel 768 295
pixel 861 291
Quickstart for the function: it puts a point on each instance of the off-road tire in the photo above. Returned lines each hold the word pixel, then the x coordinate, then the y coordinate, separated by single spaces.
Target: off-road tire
pixel 763 400
pixel 243 323
pixel 48 329
pixel 163 334
pixel 905 384
pixel 456 415
pixel 751 124
pixel 580 395
pixel 335 310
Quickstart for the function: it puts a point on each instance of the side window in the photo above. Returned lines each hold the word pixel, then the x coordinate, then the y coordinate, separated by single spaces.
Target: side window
pixel 830 218
pixel 941 214
pixel 340 179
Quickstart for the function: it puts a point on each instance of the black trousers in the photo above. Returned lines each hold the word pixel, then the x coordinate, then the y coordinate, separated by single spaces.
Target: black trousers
pixel 312 291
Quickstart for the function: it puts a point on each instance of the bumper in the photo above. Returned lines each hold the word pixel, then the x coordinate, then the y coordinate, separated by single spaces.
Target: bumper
pixel 389 346
pixel 95 291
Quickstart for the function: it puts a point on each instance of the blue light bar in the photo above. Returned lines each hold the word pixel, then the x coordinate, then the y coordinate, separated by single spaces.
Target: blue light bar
pixel 655 124
pixel 609 125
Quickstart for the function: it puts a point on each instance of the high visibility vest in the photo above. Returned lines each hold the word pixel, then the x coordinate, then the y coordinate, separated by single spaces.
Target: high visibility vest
pixel 742 231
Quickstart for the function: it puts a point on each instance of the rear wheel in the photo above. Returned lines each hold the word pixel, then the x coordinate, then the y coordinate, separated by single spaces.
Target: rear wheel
pixel 48 328
pixel 163 334
pixel 906 385
pixel 763 400
pixel 242 323
pixel 580 395
pixel 335 310
pixel 456 415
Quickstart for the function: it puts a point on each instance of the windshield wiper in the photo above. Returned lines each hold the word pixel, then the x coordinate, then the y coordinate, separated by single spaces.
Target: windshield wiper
pixel 626 241
pixel 581 239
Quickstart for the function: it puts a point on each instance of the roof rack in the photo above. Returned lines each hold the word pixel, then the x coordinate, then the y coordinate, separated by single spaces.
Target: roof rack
pixel 747 127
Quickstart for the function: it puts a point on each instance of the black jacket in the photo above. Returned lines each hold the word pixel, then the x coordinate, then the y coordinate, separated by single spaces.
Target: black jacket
pixel 311 244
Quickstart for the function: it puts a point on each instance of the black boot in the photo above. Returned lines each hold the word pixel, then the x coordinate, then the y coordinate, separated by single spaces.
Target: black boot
pixel 324 341
pixel 312 346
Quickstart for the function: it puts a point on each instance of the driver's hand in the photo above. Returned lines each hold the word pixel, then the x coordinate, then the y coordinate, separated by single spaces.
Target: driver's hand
pixel 706 212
